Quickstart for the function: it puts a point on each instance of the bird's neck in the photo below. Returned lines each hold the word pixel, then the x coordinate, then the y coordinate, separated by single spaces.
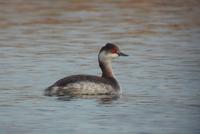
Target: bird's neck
pixel 106 68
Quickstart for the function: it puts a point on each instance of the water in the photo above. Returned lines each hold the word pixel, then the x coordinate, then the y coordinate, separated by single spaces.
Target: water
pixel 43 41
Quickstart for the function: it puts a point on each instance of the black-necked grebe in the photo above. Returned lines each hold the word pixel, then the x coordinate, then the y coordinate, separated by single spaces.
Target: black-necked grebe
pixel 76 85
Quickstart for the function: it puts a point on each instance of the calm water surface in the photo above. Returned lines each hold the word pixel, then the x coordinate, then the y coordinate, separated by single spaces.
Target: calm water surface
pixel 43 41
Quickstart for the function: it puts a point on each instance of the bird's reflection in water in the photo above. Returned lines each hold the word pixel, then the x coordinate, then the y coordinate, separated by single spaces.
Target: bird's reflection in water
pixel 101 99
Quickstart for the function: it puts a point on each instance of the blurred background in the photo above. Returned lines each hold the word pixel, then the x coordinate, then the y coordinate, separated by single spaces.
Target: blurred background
pixel 43 41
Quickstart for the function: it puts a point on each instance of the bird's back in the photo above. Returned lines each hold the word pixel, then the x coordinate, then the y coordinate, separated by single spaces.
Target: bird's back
pixel 83 85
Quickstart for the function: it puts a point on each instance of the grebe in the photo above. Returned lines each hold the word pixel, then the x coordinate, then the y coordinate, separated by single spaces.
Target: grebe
pixel 77 85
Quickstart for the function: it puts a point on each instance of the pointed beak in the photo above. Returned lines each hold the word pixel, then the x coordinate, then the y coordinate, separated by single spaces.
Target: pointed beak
pixel 122 54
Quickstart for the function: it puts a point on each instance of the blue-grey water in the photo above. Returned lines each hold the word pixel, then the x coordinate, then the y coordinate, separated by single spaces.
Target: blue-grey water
pixel 43 41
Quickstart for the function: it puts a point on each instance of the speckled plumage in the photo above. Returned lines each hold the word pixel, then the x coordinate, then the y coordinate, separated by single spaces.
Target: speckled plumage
pixel 83 84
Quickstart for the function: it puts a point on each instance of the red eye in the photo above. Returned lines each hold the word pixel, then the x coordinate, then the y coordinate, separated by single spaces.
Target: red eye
pixel 114 50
